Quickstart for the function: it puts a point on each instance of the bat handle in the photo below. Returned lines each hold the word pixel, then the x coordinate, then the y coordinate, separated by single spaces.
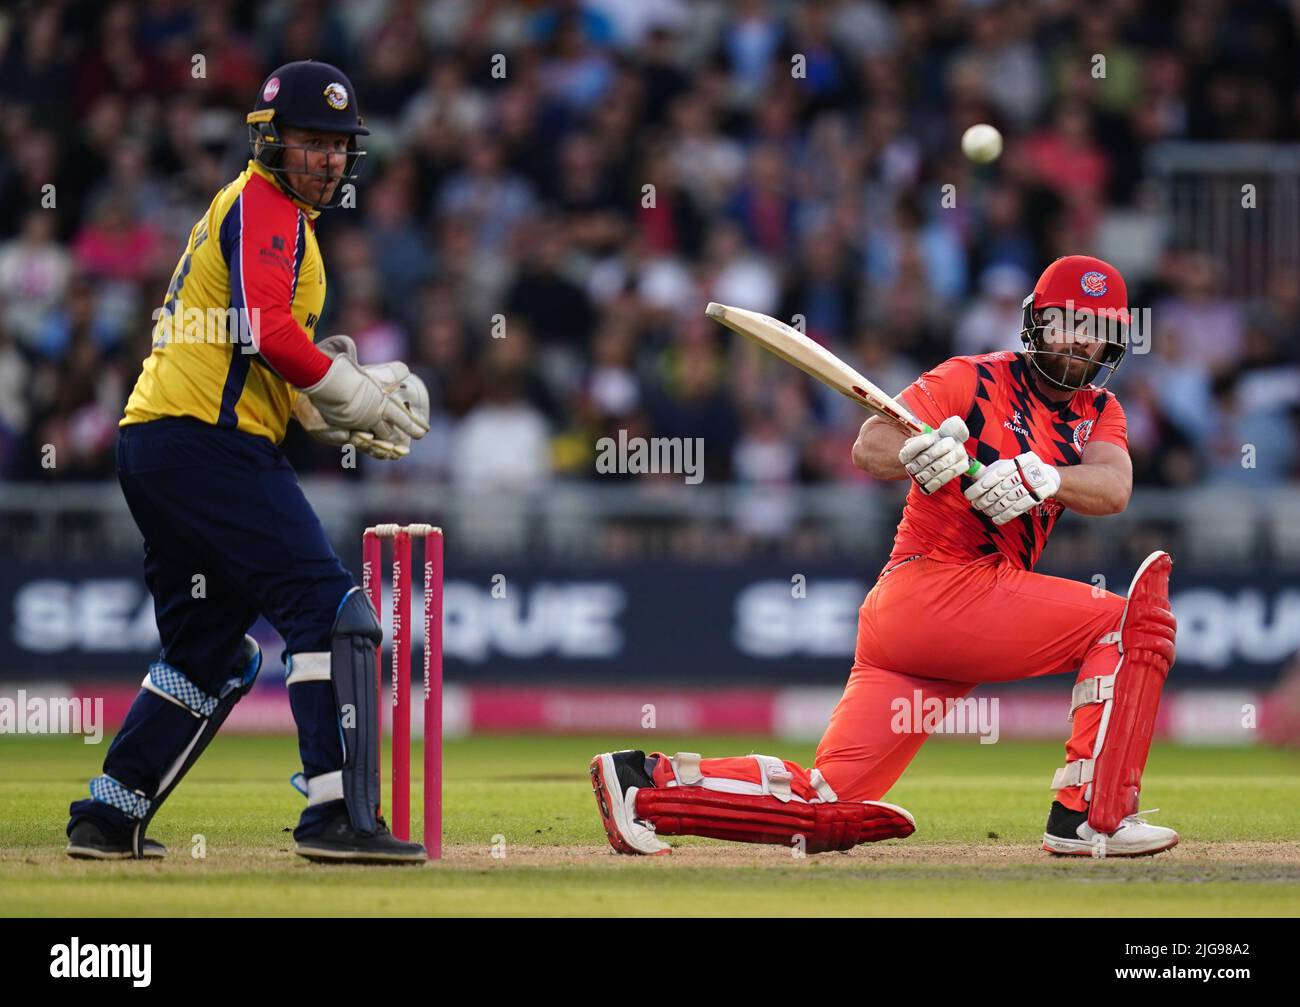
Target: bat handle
pixel 975 467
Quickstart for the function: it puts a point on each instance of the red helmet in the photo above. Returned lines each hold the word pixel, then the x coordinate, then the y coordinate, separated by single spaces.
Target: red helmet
pixel 1078 285
pixel 1089 283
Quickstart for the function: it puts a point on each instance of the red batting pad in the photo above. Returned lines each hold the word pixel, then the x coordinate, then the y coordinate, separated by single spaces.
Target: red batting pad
pixel 749 818
pixel 1147 638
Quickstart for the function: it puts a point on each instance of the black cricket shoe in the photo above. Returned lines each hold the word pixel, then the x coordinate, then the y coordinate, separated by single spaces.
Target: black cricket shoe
pixel 87 841
pixel 340 843
pixel 615 778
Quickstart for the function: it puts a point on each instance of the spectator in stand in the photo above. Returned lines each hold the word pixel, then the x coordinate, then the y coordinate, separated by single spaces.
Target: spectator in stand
pixel 576 74
pixel 1119 90
pixel 592 210
pixel 708 162
pixel 993 322
pixel 377 334
pixel 1180 382
pixel 929 252
pixel 1209 325
pixel 908 314
pixel 671 223
pixel 1002 239
pixel 1162 454
pixel 493 201
pixel 14 404
pixel 34 274
pixel 444 356
pixel 765 464
pixel 76 406
pixel 751 43
pixel 737 274
pixel 114 245
pixel 1248 447
pixel 692 400
pixel 1066 159
pixel 115 61
pixel 479 464
pixel 395 64
pixel 30 179
pixel 36 65
pixel 763 206
pixel 824 289
pixel 557 310
pixel 1009 65
pixel 82 314
pixel 130 181
pixel 232 69
pixel 1274 324
pixel 402 252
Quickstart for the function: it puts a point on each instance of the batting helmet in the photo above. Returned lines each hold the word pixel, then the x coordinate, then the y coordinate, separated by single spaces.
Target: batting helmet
pixel 306 95
pixel 1072 290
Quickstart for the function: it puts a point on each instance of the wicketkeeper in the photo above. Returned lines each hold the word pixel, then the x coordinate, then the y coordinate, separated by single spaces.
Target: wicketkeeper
pixel 228 534
pixel 958 605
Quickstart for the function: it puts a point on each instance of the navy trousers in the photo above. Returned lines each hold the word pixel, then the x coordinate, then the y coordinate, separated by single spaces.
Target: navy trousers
pixel 228 536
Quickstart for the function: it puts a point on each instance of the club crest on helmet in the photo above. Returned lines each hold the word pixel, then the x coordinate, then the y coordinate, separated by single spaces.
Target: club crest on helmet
pixel 337 96
pixel 1093 283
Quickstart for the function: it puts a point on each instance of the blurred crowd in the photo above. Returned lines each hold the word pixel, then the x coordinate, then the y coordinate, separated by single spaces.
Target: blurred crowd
pixel 554 190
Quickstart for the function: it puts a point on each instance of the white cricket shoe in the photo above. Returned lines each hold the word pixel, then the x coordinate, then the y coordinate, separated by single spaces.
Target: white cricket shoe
pixel 616 777
pixel 1069 833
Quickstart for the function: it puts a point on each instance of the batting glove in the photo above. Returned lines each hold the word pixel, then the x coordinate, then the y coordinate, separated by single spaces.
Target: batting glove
pixel 1013 486
pixel 935 459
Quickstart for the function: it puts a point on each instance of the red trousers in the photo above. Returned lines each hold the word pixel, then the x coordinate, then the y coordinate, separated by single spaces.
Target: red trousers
pixel 939 629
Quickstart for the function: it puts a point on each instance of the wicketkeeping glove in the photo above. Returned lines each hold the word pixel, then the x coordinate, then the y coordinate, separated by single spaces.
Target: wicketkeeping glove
pixel 306 414
pixel 386 441
pixel 400 384
pixel 349 398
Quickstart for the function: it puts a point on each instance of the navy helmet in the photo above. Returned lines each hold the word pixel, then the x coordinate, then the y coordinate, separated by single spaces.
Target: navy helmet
pixel 306 95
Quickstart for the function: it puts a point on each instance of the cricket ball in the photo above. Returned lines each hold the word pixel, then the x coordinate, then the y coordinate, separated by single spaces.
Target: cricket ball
pixel 982 143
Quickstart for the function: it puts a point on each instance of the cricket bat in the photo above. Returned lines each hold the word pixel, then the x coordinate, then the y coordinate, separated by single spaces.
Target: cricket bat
pixel 815 360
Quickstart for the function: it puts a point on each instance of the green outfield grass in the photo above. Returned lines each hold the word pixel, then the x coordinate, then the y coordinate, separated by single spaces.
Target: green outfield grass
pixel 979 810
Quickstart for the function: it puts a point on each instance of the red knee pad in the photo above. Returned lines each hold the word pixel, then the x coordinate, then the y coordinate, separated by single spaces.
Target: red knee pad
pixel 1147 632
pixel 750 818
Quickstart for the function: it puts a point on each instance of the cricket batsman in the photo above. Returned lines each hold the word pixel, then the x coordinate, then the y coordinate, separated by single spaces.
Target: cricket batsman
pixel 958 604
pixel 228 533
